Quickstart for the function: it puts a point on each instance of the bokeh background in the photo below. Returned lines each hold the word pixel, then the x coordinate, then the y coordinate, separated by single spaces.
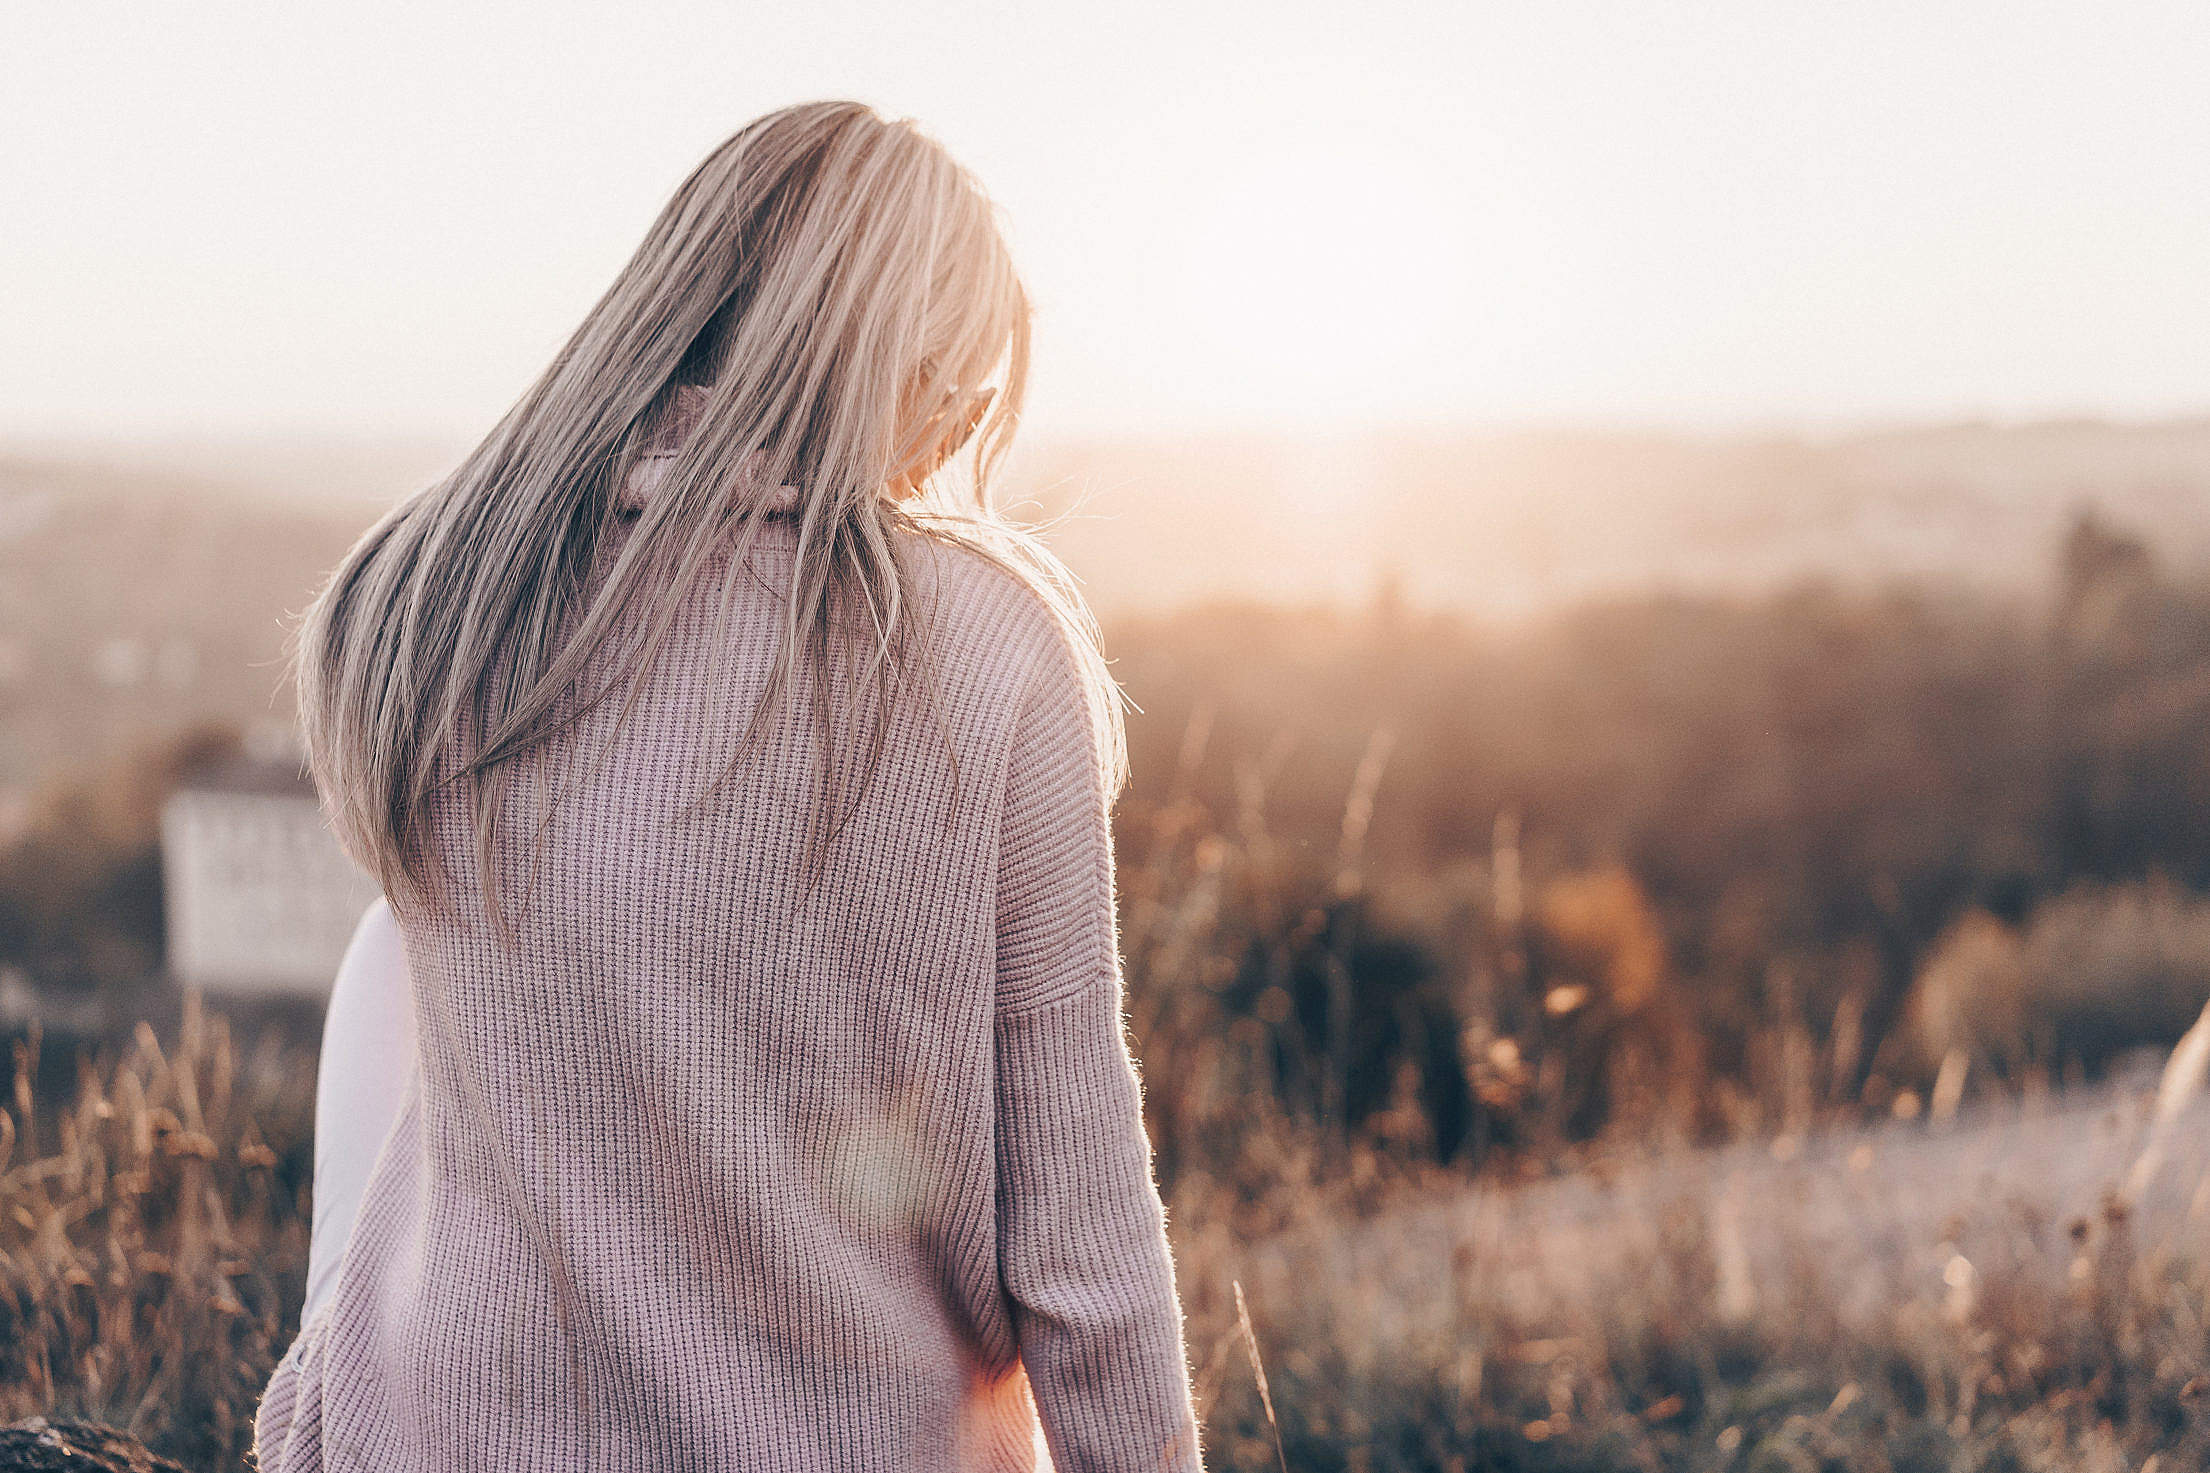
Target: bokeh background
pixel 1662 555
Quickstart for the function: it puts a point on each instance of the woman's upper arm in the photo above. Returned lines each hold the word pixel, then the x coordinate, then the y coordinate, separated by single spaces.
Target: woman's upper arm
pixel 1082 1244
pixel 1055 920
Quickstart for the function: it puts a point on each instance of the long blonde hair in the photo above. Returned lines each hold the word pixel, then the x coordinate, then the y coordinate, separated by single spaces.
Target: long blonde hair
pixel 842 285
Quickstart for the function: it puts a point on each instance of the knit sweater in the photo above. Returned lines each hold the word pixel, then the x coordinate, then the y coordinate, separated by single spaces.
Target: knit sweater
pixel 703 1172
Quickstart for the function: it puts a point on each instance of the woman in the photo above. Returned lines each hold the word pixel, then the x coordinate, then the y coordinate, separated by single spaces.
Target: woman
pixel 740 794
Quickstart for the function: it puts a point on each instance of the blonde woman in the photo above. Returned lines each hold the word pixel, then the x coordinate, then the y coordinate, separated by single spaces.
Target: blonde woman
pixel 738 781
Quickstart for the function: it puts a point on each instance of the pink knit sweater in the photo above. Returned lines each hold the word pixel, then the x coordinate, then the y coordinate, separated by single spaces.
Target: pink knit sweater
pixel 705 1175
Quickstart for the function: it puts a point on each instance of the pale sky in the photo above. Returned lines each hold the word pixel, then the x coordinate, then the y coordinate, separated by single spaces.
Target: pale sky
pixel 383 218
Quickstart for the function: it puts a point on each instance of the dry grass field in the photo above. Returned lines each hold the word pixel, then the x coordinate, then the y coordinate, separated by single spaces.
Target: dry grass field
pixel 1997 1289
pixel 1975 1294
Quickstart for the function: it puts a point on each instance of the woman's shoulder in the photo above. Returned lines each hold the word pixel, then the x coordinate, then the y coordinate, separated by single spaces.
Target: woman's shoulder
pixel 1010 630
pixel 986 614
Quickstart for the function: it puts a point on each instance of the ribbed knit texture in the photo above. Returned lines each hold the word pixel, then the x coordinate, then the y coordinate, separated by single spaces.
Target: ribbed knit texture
pixel 704 1174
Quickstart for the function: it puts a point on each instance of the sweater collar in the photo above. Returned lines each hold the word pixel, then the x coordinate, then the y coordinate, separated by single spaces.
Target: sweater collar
pixel 659 454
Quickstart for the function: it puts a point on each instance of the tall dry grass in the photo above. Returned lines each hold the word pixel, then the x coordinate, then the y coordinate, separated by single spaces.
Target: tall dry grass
pixel 1917 1295
pixel 153 1235
pixel 1991 1283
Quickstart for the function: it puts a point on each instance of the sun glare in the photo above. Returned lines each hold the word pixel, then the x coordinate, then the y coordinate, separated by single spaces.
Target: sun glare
pixel 1318 282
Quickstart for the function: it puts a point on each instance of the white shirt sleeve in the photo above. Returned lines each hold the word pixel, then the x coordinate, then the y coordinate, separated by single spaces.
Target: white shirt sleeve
pixel 368 1053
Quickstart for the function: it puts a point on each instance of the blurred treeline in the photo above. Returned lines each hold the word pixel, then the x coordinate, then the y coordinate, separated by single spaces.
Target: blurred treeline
pixel 1674 867
pixel 1679 867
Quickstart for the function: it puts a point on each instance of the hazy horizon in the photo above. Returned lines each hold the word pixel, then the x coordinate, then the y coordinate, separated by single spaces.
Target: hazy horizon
pixel 1503 523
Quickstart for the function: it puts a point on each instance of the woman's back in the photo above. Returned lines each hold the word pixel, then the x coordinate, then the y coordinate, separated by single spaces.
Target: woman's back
pixel 705 1170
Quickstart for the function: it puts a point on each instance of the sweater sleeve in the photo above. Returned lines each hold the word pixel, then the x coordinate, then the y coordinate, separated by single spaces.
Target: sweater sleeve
pixel 1081 1231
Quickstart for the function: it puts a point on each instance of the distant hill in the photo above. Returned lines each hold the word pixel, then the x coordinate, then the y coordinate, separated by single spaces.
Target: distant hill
pixel 1509 523
pixel 144 587
pixel 134 601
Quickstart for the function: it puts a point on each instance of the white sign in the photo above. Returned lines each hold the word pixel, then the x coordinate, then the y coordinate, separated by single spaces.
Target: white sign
pixel 259 896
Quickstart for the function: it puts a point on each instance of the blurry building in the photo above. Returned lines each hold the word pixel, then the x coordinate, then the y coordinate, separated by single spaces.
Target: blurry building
pixel 259 897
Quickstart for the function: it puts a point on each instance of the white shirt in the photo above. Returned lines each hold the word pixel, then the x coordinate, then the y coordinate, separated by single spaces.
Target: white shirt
pixel 368 1054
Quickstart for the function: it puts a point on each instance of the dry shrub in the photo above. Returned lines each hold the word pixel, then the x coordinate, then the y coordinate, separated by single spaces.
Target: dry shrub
pixel 2092 972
